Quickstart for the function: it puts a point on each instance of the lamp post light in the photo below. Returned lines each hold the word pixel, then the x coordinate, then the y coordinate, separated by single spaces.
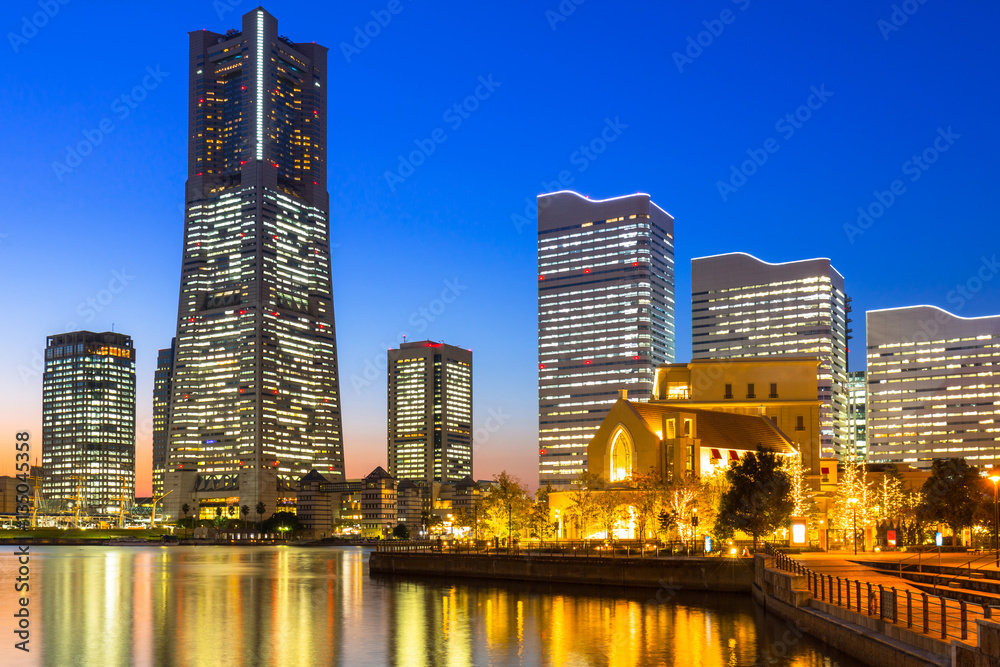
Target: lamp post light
pixel 853 502
pixel 995 477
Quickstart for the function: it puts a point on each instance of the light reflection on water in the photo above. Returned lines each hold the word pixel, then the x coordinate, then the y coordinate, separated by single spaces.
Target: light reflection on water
pixel 305 607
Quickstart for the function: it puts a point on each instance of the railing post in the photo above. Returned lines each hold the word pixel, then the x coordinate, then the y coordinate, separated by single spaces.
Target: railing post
pixel 909 610
pixel 895 606
pixel 927 614
pixel 822 587
pixel 848 587
pixel 965 618
pixel 944 619
pixel 857 592
pixel 870 599
pixel 881 607
pixel 838 592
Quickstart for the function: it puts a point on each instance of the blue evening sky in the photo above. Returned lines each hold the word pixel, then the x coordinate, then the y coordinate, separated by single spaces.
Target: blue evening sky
pixel 99 242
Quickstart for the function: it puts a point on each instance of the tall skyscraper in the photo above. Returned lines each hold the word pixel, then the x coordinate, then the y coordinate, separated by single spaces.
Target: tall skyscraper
pixel 933 387
pixel 605 317
pixel 162 382
pixel 88 420
pixel 256 398
pixel 430 412
pixel 857 400
pixel 744 307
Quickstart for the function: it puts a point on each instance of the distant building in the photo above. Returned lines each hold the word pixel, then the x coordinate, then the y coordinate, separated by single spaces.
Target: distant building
pixel 783 389
pixel 409 506
pixel 857 393
pixel 933 386
pixel 744 307
pixel 88 420
pixel 162 383
pixel 378 504
pixel 430 412
pixel 605 317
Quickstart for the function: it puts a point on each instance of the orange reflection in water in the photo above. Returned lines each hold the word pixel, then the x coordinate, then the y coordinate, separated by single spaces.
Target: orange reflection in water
pixel 220 606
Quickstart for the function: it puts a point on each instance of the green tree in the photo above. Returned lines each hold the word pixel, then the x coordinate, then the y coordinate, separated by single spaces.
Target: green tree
pixel 260 508
pixel 401 532
pixel 282 520
pixel 951 494
pixel 758 498
pixel 244 510
pixel 504 506
pixel 610 510
pixel 582 500
pixel 647 500
pixel 539 519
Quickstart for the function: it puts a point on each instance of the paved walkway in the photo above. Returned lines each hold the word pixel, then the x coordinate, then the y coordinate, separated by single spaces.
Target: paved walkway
pixel 840 564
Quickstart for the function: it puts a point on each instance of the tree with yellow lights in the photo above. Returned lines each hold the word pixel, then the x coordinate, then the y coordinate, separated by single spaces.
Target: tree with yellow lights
pixel 854 495
pixel 800 495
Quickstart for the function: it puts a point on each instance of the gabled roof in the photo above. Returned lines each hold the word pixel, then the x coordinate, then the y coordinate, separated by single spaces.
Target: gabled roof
pixel 721 430
pixel 313 476
pixel 378 473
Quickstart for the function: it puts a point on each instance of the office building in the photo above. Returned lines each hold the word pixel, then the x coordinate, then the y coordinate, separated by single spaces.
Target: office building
pixel 88 421
pixel 162 382
pixel 744 307
pixel 255 399
pixel 857 392
pixel 430 412
pixel 605 317
pixel 933 387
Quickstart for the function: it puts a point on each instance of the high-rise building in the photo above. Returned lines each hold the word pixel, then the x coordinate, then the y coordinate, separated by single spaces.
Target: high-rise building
pixel 88 421
pixel 933 388
pixel 744 307
pixel 162 382
pixel 430 412
pixel 605 317
pixel 857 392
pixel 255 399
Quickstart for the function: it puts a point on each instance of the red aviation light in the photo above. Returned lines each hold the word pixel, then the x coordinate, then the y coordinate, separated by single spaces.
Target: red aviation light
pixel 541 366
pixel 191 320
pixel 587 362
pixel 542 452
pixel 243 312
pixel 275 391
pixel 635 263
pixel 541 277
pixel 275 313
pixel 186 395
pixel 275 464
pixel 636 357
pixel 586 270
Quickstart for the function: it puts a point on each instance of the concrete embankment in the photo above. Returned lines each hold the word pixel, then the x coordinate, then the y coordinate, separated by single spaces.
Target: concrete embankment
pixel 867 638
pixel 697 574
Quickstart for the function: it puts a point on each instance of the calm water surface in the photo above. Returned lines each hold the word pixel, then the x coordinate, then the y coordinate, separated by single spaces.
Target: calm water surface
pixel 308 607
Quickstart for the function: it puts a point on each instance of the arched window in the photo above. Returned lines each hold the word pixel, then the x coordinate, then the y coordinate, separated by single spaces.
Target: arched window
pixel 621 456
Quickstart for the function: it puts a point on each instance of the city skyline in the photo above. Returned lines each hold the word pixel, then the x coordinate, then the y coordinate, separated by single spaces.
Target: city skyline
pixel 96 284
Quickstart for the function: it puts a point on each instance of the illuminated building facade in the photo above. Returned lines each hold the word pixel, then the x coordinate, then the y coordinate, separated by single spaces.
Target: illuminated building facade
pixel 933 386
pixel 88 420
pixel 744 307
pixel 605 317
pixel 430 412
pixel 857 392
pixel 162 382
pixel 255 398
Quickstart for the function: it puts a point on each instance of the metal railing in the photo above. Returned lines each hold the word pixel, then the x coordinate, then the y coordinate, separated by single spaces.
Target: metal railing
pixel 564 548
pixel 932 615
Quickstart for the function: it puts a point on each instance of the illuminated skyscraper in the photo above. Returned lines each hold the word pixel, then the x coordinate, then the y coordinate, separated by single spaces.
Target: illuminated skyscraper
pixel 430 412
pixel 933 386
pixel 605 317
pixel 256 399
pixel 162 382
pixel 745 307
pixel 88 420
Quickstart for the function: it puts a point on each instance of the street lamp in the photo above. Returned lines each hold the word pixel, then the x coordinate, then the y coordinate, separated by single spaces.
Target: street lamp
pixel 853 502
pixel 995 477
